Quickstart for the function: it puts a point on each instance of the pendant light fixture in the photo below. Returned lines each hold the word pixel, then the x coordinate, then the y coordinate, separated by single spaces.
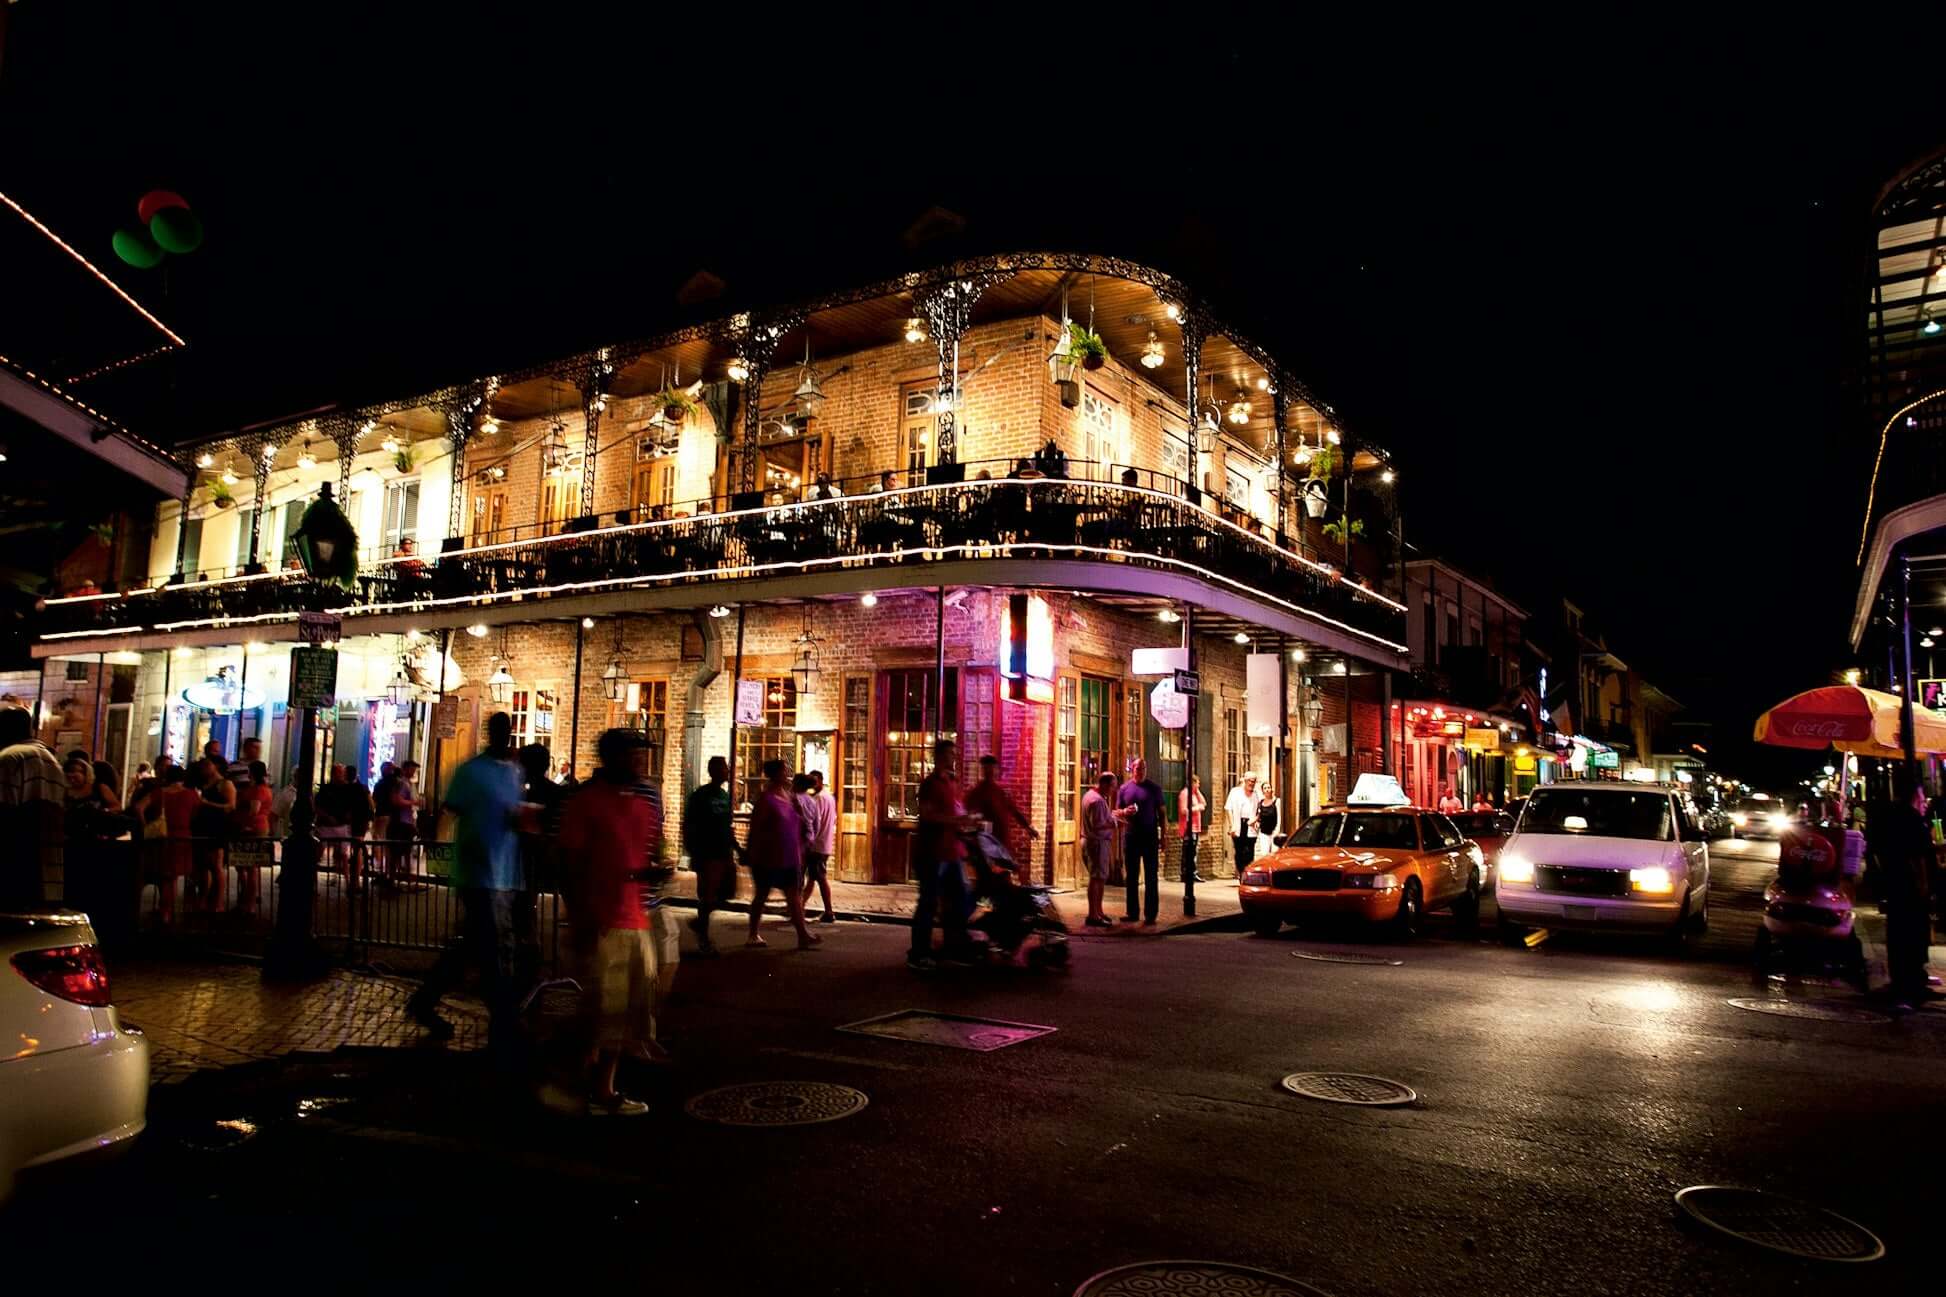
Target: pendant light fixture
pixel 804 672
pixel 614 681
pixel 500 685
pixel 1240 410
pixel 229 474
pixel 1153 352
pixel 809 396
pixel 400 692
pixel 305 459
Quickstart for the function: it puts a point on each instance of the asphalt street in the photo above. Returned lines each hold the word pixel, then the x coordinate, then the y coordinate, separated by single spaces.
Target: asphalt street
pixel 1566 1091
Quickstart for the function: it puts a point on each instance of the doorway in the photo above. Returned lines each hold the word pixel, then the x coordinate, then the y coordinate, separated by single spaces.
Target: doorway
pixel 907 723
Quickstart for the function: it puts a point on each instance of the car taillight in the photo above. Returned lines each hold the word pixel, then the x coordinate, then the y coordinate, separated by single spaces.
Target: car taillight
pixel 75 973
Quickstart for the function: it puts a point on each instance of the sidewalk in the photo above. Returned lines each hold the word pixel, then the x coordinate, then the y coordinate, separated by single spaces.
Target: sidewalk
pixel 894 902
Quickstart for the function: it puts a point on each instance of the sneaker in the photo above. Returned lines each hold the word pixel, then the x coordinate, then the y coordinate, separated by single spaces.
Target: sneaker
pixel 921 963
pixel 1099 921
pixel 619 1106
pixel 1128 918
pixel 829 918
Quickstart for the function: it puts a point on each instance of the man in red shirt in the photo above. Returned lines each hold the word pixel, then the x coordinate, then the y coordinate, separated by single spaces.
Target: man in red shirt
pixel 610 839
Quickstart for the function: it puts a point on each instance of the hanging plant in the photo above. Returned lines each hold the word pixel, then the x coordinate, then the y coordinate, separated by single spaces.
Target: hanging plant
pixel 1324 462
pixel 676 404
pixel 221 496
pixel 1335 532
pixel 1085 346
pixel 402 459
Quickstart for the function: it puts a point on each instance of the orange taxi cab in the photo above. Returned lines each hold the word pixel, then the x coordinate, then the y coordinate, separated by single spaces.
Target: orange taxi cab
pixel 1387 865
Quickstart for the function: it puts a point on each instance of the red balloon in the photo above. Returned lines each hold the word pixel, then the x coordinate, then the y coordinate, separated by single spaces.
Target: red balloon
pixel 154 201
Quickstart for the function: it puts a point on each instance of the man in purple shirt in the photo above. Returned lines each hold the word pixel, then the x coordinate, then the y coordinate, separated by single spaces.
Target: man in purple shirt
pixel 1141 800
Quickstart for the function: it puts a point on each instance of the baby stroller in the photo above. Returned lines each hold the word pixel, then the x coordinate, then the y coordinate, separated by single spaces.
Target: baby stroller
pixel 1018 915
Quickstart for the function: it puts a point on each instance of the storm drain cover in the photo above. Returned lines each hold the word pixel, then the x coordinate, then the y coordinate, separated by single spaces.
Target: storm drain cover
pixel 777 1103
pixel 1350 1087
pixel 956 1031
pixel 1193 1279
pixel 1780 1224
pixel 1349 957
pixel 1823 1010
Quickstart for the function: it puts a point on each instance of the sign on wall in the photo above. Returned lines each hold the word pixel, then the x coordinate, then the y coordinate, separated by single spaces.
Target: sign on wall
pixel 1027 648
pixel 1169 707
pixel 750 702
pixel 1263 695
pixel 445 718
pixel 316 628
pixel 314 677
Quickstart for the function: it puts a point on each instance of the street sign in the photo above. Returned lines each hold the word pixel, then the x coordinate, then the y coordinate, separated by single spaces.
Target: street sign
pixel 445 718
pixel 750 702
pixel 1188 683
pixel 1170 709
pixel 314 678
pixel 316 628
pixel 1605 760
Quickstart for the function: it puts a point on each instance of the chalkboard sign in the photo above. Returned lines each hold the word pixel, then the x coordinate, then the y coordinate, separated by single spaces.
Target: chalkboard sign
pixel 314 677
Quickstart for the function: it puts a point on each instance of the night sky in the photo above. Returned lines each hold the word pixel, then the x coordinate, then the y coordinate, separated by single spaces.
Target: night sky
pixel 1593 294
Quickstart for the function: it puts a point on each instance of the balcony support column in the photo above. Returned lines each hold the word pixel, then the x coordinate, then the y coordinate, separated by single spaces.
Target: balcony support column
pixel 1280 408
pixel 594 400
pixel 1194 328
pixel 260 448
pixel 459 409
pixel 182 528
pixel 344 435
pixel 948 308
pixel 756 341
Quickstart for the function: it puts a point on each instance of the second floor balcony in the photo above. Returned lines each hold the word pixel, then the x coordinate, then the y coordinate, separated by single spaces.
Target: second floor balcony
pixel 1127 534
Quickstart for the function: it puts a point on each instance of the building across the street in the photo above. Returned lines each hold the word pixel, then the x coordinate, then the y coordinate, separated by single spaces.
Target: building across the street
pixel 1044 504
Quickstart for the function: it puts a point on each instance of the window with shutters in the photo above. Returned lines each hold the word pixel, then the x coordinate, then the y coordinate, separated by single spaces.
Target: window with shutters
pixel 646 708
pixel 655 483
pixel 1100 447
pixel 1131 727
pixel 917 425
pixel 1067 756
pixel 245 518
pixel 532 714
pixel 192 546
pixel 911 725
pixel 400 520
pixel 1236 753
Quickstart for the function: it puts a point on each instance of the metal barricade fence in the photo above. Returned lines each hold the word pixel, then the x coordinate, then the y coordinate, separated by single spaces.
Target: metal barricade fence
pixel 368 896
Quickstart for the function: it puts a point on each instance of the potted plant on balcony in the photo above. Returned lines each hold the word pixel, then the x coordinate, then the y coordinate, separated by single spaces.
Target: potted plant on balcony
pixel 1085 346
pixel 1341 530
pixel 221 496
pixel 676 404
pixel 1317 486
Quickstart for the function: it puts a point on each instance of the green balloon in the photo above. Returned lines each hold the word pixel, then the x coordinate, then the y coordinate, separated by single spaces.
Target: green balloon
pixel 137 249
pixel 176 229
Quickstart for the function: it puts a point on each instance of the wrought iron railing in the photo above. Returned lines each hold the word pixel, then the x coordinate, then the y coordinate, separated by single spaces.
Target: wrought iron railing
pixel 1011 517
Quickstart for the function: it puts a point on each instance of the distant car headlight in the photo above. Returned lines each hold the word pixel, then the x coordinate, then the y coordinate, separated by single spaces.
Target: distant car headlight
pixel 1778 820
pixel 1655 879
pixel 1256 878
pixel 1739 819
pixel 1376 882
pixel 1516 869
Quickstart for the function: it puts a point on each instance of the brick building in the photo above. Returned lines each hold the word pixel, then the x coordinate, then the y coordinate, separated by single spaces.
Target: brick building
pixel 623 536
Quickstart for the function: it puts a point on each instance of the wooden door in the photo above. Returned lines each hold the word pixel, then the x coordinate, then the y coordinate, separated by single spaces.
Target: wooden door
pixel 1066 767
pixel 855 787
pixel 489 514
pixel 655 485
pixel 904 728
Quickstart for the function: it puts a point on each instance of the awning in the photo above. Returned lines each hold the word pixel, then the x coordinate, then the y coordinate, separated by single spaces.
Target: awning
pixel 1851 719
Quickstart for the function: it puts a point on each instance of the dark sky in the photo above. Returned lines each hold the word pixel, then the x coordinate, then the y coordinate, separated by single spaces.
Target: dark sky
pixel 1590 287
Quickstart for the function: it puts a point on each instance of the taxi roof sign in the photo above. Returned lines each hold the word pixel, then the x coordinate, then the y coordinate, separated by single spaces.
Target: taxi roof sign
pixel 1377 790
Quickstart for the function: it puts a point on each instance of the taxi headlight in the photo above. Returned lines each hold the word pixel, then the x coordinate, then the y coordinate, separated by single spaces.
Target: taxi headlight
pixel 1516 869
pixel 1654 879
pixel 1376 882
pixel 1256 878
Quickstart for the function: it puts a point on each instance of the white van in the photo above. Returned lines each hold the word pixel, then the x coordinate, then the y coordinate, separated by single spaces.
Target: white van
pixel 1596 854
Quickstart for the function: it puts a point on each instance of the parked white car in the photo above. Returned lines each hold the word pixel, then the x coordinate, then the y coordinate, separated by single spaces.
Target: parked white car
pixel 73 1079
pixel 1606 855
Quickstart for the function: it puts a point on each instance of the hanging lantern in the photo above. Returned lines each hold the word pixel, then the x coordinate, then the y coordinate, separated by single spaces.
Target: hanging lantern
pixel 614 681
pixel 804 672
pixel 500 685
pixel 401 691
pixel 809 396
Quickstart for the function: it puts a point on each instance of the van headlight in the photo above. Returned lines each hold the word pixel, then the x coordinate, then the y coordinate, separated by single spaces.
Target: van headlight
pixel 1739 819
pixel 1654 880
pixel 1516 869
pixel 1779 821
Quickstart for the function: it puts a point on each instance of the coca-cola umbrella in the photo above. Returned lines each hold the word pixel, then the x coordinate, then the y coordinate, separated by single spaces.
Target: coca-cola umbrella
pixel 1851 719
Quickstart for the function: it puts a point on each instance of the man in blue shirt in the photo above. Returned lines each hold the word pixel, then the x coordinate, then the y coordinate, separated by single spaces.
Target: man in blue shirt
pixel 485 798
pixel 1141 801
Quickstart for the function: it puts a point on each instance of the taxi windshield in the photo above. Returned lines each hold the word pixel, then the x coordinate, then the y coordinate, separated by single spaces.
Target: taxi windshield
pixel 1359 831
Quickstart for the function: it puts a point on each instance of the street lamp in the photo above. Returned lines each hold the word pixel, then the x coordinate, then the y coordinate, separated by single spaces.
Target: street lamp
pixel 805 675
pixel 614 680
pixel 400 691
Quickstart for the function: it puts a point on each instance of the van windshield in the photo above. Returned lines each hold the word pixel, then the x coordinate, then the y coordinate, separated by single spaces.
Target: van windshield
pixel 1607 814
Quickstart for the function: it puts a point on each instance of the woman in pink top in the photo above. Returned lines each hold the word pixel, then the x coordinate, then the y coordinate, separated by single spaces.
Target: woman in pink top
pixel 776 854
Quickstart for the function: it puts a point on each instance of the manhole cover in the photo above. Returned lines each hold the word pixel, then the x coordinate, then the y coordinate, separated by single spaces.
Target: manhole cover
pixel 777 1103
pixel 953 1030
pixel 1780 1224
pixel 218 1136
pixel 1350 1087
pixel 1823 1010
pixel 1193 1279
pixel 1348 957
